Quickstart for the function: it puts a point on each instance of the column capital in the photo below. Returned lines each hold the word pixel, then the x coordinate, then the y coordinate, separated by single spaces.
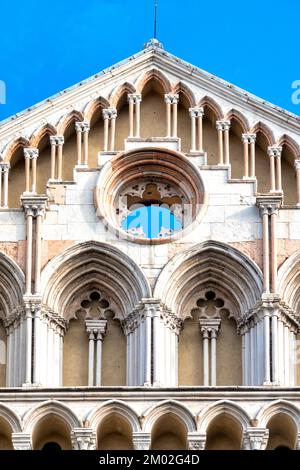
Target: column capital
pixel 82 126
pixel 34 205
pixel 4 167
pixel 60 140
pixel 274 151
pixel 134 98
pixel 109 113
pixel 141 440
pixel 269 204
pixel 209 327
pixel 31 153
pixel 255 438
pixel 21 441
pixel 96 329
pixel 196 112
pixel 248 138
pixel 297 164
pixel 196 441
pixel 222 125
pixel 83 439
pixel 171 98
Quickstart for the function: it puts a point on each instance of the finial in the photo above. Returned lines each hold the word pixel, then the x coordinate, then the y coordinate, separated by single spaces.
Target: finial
pixel 153 44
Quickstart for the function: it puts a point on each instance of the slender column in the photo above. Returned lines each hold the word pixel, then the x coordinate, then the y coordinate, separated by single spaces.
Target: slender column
pixel 205 355
pixel 99 358
pixel 31 155
pixel 138 99
pixel 253 355
pixel 200 129
pixel 86 130
pixel 131 114
pixel 219 126
pixel 275 347
pixel 148 349
pixel 196 115
pixel 37 332
pixel 91 357
pixel 9 359
pixel 53 156
pixel 29 219
pixel 106 125
pixel 193 130
pixel 267 376
pixel 278 170
pixel 251 141
pixel 28 377
pixel 272 153
pixel 246 359
pixel 79 130
pixel 38 249
pixel 213 362
pixel 4 169
pixel 156 349
pixel 297 168
pixel 286 356
pixel 60 143
pixel 245 141
pixel 226 127
pixel 175 110
pixel 113 131
pixel 168 114
pixel 266 259
pixel 274 213
pixel 171 100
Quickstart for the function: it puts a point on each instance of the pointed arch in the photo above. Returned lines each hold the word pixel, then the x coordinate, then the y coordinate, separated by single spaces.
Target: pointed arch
pixel 210 264
pixel 239 117
pixel 66 120
pixel 187 93
pixel 118 93
pixel 153 75
pixel 291 144
pixel 210 103
pixel 10 417
pixel 96 416
pixel 93 262
pixel 92 107
pixel 172 407
pixel 11 285
pixel 40 133
pixel 12 147
pixel 279 406
pixel 210 412
pixel 289 281
pixel 265 130
pixel 50 407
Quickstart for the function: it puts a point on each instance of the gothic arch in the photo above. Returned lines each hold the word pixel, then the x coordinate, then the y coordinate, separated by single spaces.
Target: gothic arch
pixel 213 106
pixel 289 281
pixel 93 262
pixel 292 145
pixel 11 148
pixel 10 417
pixel 209 413
pixel 118 93
pixel 95 417
pixel 188 94
pixel 51 407
pixel 40 133
pixel 172 407
pixel 11 285
pixel 279 406
pixel 93 106
pixel 66 120
pixel 265 130
pixel 155 75
pixel 209 265
pixel 239 117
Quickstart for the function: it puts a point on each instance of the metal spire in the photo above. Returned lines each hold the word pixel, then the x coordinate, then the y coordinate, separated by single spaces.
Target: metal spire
pixel 155 19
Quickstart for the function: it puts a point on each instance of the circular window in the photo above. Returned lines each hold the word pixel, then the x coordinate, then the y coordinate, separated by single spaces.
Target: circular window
pixel 150 196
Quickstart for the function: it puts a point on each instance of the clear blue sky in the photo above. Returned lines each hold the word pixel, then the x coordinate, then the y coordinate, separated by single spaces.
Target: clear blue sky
pixel 48 46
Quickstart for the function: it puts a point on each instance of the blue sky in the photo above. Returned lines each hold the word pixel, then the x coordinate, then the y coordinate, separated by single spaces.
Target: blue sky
pixel 48 46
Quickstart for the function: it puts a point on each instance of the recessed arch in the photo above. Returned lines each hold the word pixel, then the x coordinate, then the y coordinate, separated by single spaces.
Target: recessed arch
pixel 186 95
pixel 156 76
pixel 291 144
pixel 93 106
pixel 210 103
pixel 278 407
pixel 11 418
pixel 13 147
pixel 93 262
pixel 67 120
pixel 209 264
pixel 265 130
pixel 120 93
pixel 40 133
pixel 95 416
pixel 222 407
pixel 11 285
pixel 155 412
pixel 239 117
pixel 289 281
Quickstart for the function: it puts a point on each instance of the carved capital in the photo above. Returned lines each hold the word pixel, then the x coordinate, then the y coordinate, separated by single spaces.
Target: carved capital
pixel 255 439
pixel 31 153
pixel 223 125
pixel 141 440
pixel 109 113
pixel 297 164
pixel 21 441
pixel 274 151
pixel 196 441
pixel 96 329
pixel 4 167
pixel 248 138
pixel 171 98
pixel 196 112
pixel 209 327
pixel 134 98
pixel 83 439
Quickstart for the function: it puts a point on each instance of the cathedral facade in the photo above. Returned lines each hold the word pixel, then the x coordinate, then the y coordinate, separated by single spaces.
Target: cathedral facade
pixel 150 265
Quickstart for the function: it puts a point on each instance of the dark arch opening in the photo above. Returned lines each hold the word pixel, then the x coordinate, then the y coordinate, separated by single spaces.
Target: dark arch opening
pixel 51 446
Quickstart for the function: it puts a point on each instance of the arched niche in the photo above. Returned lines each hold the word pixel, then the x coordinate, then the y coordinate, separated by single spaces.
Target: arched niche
pixel 224 433
pixel 282 432
pixel 5 435
pixel 51 429
pixel 114 433
pixel 169 433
